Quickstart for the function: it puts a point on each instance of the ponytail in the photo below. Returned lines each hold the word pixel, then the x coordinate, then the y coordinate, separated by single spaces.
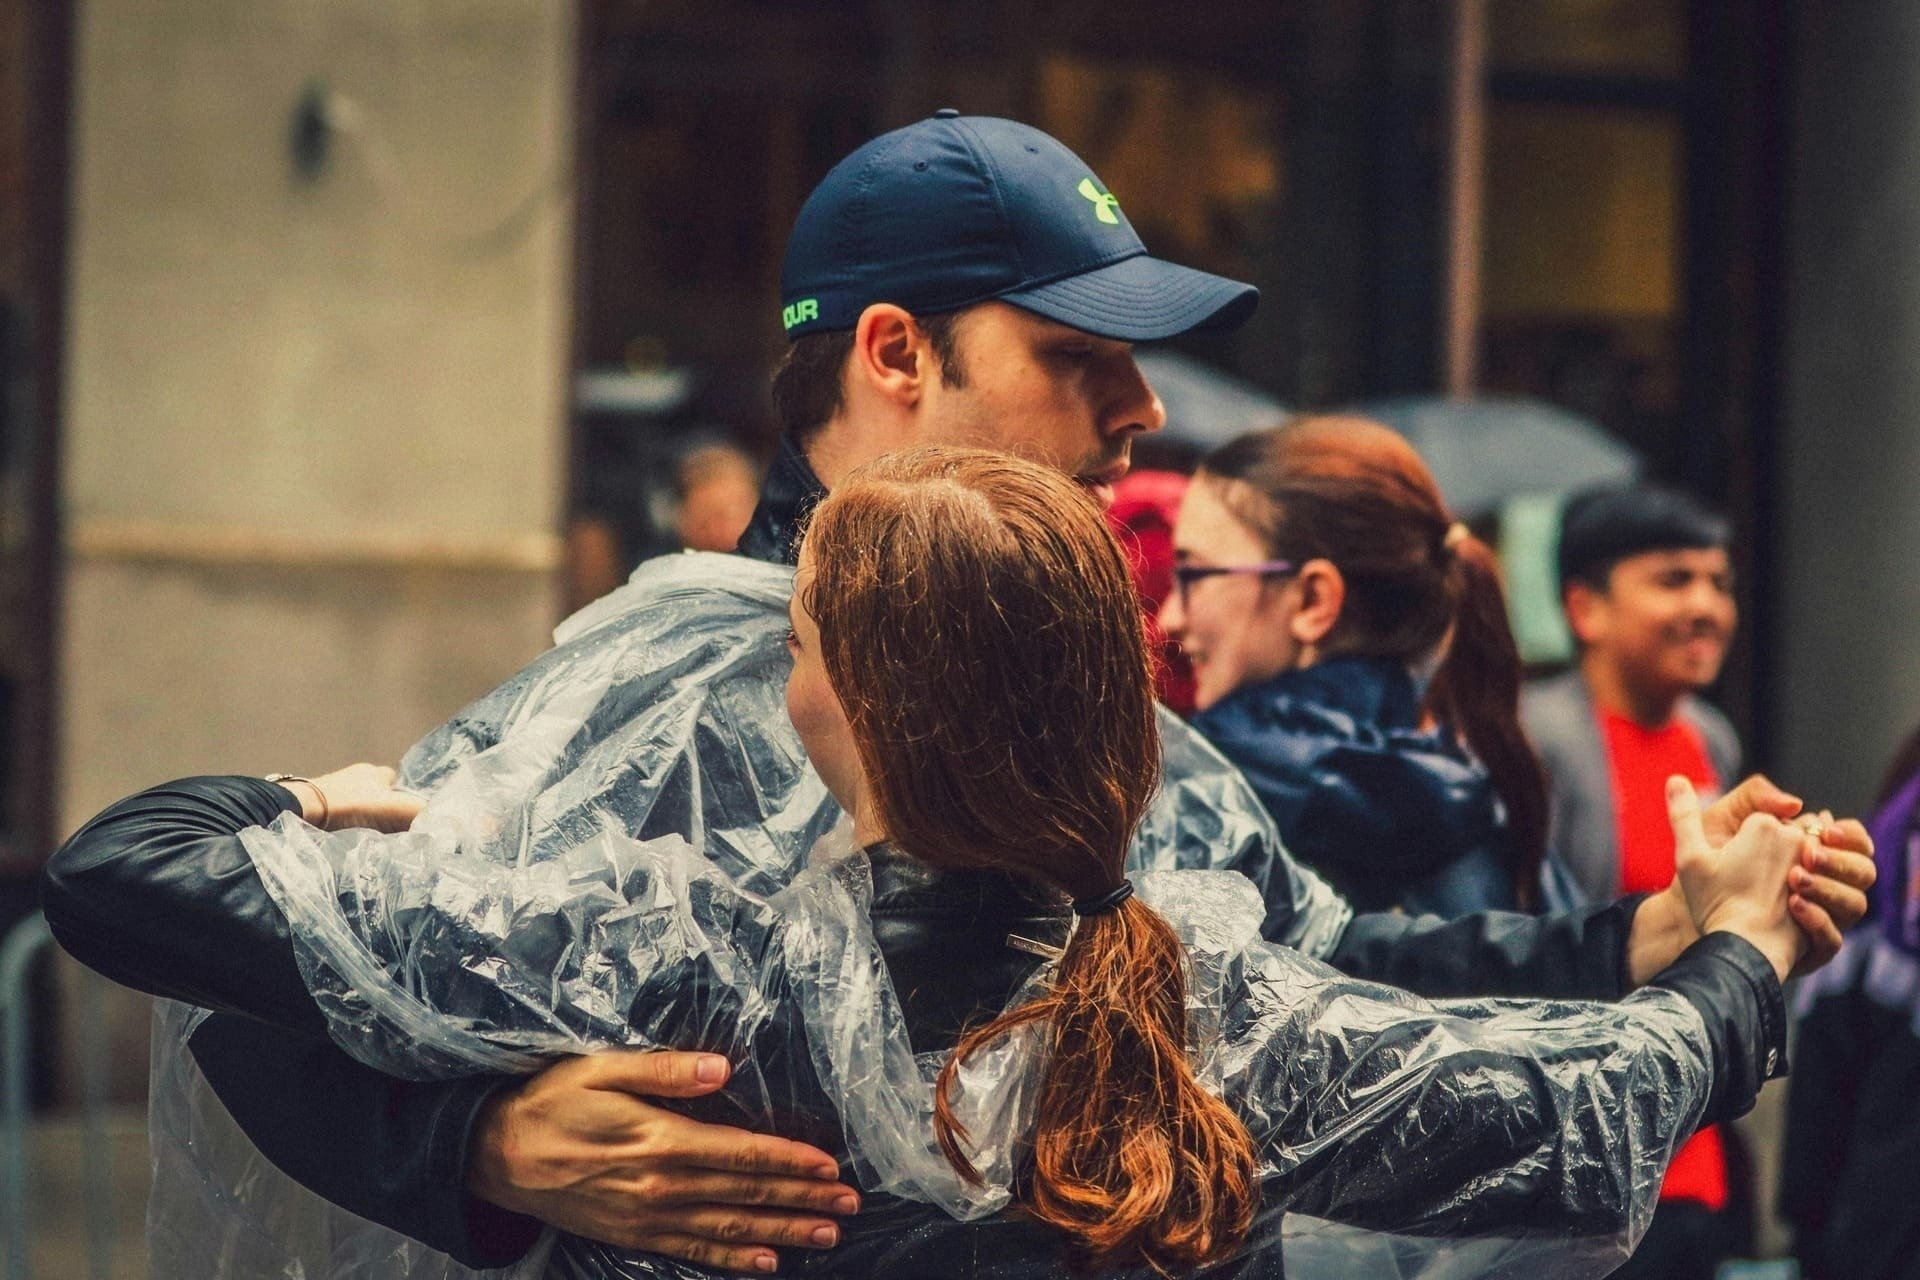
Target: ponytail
pixel 1477 690
pixel 1132 1159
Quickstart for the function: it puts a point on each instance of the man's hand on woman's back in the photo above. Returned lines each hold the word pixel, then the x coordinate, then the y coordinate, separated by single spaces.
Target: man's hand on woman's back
pixel 580 1148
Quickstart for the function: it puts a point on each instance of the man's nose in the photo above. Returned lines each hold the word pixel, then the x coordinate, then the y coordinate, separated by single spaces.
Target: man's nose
pixel 1705 599
pixel 1135 409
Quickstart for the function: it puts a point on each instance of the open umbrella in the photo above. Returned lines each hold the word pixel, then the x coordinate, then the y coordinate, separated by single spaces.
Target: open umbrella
pixel 1488 450
pixel 1205 407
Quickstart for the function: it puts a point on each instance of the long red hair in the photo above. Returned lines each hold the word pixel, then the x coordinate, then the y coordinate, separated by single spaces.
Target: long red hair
pixel 980 627
pixel 1354 492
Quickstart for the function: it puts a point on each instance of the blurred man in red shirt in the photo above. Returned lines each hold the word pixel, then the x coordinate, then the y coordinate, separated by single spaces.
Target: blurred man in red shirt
pixel 1647 586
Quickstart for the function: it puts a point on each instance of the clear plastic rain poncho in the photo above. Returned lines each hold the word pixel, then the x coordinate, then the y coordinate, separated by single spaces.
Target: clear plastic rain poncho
pixel 625 846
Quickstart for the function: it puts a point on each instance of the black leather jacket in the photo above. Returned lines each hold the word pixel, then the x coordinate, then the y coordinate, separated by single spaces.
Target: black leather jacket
pixel 172 905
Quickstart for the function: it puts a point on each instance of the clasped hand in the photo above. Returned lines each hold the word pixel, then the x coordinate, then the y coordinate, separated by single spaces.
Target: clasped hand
pixel 1754 865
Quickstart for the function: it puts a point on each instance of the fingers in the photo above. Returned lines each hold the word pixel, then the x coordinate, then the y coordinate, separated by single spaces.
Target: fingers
pixel 1841 902
pixel 730 1238
pixel 1847 834
pixel 1683 811
pixel 680 1141
pixel 766 1191
pixel 660 1073
pixel 1821 935
pixel 708 1253
pixel 1758 794
pixel 731 1225
pixel 1847 866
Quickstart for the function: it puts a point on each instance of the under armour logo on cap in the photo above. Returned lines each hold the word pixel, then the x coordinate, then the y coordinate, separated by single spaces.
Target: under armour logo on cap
pixel 1104 202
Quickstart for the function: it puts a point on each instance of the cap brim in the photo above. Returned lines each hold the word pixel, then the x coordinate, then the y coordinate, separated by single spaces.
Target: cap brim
pixel 1141 299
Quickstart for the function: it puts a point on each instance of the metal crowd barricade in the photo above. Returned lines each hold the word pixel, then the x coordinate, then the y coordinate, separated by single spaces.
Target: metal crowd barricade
pixel 23 945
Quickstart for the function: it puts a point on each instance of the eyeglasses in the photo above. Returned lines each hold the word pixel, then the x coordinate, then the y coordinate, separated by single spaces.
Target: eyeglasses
pixel 1185 575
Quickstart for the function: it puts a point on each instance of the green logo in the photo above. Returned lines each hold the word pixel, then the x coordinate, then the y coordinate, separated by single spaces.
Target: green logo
pixel 1105 204
pixel 800 312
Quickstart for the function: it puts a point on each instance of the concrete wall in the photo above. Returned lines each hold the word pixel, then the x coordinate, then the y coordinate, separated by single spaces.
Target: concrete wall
pixel 1848 684
pixel 314 444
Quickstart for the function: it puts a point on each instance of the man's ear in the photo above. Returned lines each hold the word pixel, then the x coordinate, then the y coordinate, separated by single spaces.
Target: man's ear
pixel 1323 593
pixel 890 354
pixel 1586 610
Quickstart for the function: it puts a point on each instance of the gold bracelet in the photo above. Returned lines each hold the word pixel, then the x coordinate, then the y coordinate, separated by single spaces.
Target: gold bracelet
pixel 326 810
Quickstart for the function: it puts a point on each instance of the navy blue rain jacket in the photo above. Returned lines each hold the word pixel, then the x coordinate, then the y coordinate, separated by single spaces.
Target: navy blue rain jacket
pixel 1393 814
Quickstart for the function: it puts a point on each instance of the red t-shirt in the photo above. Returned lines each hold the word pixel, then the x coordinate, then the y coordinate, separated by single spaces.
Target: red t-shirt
pixel 1641 760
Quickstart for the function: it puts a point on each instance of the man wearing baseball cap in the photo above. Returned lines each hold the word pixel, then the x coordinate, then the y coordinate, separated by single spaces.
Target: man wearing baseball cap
pixel 969 280
pixel 961 280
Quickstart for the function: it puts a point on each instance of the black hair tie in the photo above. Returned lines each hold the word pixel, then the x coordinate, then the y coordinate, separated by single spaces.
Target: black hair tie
pixel 1109 901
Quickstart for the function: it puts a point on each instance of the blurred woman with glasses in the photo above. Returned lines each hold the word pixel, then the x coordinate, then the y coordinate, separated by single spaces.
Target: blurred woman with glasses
pixel 1351 654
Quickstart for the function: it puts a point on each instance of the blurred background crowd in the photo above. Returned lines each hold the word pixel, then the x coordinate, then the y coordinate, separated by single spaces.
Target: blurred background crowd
pixel 347 346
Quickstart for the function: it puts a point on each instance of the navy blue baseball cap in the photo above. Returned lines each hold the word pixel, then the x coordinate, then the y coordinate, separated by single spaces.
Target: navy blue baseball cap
pixel 958 209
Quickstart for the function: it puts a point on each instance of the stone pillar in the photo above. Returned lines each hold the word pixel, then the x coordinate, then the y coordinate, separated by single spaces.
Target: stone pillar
pixel 315 422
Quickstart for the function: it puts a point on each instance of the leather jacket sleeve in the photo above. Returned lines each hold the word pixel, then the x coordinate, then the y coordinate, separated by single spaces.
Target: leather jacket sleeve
pixel 158 893
pixel 1580 955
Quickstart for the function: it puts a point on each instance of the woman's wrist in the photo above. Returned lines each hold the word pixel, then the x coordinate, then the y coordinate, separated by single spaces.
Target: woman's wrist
pixel 1662 928
pixel 313 801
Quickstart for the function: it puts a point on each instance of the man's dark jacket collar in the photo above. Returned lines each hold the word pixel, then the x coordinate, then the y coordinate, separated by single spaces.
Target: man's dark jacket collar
pixel 787 496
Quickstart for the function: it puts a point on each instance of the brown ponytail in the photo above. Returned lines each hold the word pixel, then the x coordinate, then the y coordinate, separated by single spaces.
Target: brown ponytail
pixel 1131 1157
pixel 1354 492
pixel 979 625
pixel 1477 690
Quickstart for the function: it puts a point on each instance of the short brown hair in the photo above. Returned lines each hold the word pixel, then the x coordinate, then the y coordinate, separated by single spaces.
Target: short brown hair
pixel 979 624
pixel 808 387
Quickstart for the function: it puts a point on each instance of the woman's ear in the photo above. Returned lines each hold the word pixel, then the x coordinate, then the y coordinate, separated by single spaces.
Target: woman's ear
pixel 890 354
pixel 1323 593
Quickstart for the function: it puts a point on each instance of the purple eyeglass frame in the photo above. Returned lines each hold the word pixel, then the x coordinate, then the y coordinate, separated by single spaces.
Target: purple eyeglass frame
pixel 1185 575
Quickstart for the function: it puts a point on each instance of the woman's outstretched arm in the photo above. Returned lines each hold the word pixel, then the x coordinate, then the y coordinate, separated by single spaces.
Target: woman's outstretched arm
pixel 1500 1117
